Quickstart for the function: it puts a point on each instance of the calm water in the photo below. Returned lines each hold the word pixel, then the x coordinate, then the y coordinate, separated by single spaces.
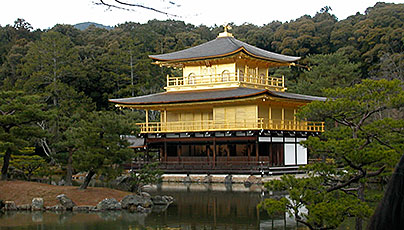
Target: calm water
pixel 196 207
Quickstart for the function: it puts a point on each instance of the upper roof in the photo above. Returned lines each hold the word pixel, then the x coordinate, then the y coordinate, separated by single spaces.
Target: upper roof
pixel 209 95
pixel 221 47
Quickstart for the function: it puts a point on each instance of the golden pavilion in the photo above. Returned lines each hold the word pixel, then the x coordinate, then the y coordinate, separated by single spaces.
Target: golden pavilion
pixel 225 114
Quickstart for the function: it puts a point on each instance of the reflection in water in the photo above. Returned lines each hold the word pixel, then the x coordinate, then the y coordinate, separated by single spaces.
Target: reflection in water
pixel 196 207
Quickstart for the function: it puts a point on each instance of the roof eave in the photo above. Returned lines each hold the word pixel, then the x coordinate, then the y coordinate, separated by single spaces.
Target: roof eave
pixel 173 62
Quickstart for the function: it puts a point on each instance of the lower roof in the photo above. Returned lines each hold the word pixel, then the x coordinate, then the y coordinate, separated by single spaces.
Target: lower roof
pixel 209 95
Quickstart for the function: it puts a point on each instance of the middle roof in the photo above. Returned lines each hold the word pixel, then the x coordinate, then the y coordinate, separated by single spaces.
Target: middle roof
pixel 222 47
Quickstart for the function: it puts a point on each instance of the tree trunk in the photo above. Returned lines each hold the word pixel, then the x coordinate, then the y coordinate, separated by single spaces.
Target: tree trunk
pixel 389 213
pixel 87 180
pixel 69 170
pixel 6 163
pixel 361 196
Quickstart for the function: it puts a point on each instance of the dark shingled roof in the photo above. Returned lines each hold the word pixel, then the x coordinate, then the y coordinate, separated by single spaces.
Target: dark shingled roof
pixel 208 95
pixel 134 142
pixel 222 46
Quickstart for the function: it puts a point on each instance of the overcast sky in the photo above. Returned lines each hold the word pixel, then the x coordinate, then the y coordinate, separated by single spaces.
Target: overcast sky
pixel 45 14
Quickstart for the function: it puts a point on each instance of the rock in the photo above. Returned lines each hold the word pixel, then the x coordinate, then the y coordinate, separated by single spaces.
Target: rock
pixel 61 182
pixel 83 208
pixel 136 200
pixel 228 179
pixel 55 208
pixel 24 207
pixel 254 180
pixel 109 204
pixel 65 201
pixel 162 200
pixel 143 210
pixel 10 206
pixel 169 199
pixel 145 194
pixel 187 180
pixel 37 204
pixel 207 179
pixel 247 184
pixel 2 204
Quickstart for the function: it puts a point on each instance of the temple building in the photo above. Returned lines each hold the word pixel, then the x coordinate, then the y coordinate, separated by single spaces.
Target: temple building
pixel 226 113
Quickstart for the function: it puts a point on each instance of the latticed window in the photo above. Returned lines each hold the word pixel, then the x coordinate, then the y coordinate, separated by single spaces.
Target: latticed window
pixel 225 76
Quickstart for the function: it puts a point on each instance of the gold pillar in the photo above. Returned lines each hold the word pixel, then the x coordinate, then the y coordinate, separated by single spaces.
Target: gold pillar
pixel 283 118
pixel 246 73
pixel 147 120
pixel 270 117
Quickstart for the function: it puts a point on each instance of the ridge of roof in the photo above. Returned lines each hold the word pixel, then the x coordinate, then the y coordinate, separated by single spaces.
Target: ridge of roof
pixel 208 95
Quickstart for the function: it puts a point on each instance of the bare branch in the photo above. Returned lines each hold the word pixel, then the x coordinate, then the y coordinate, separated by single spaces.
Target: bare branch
pixel 102 2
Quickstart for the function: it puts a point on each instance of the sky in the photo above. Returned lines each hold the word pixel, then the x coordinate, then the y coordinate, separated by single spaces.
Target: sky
pixel 44 14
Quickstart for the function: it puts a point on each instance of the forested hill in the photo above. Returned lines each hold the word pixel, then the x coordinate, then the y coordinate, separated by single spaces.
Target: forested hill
pixel 94 64
pixel 85 25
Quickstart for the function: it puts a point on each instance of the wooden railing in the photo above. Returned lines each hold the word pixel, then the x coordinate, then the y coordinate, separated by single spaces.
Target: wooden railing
pixel 215 125
pixel 277 82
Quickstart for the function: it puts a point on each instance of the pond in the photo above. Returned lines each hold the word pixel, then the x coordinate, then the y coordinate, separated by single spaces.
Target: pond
pixel 196 207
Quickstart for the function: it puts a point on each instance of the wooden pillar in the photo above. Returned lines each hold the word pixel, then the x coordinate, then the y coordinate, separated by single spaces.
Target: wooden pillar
pixel 207 153
pixel 256 150
pixel 214 152
pixel 161 157
pixel 228 153
pixel 165 150
pixel 249 153
pixel 271 155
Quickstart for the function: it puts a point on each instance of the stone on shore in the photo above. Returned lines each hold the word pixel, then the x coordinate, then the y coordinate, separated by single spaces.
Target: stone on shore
pixel 24 207
pixel 162 200
pixel 109 204
pixel 9 205
pixel 37 204
pixel 65 201
pixel 228 179
pixel 136 200
pixel 84 208
pixel 55 208
pixel 2 204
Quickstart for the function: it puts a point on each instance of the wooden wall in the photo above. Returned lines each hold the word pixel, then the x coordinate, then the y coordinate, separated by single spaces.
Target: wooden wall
pixel 235 113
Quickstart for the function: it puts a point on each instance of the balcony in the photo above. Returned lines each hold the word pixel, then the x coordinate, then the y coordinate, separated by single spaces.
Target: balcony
pixel 224 80
pixel 215 125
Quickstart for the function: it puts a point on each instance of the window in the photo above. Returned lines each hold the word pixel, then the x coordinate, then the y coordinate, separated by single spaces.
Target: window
pixel 191 79
pixel 225 76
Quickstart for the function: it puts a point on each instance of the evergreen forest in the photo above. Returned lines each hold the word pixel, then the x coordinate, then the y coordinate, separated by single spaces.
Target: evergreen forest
pixel 55 118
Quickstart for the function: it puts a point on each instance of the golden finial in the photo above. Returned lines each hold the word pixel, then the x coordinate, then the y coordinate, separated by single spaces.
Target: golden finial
pixel 226 27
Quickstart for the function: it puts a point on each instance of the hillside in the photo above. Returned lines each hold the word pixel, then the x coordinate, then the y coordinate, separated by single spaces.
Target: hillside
pixel 85 25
